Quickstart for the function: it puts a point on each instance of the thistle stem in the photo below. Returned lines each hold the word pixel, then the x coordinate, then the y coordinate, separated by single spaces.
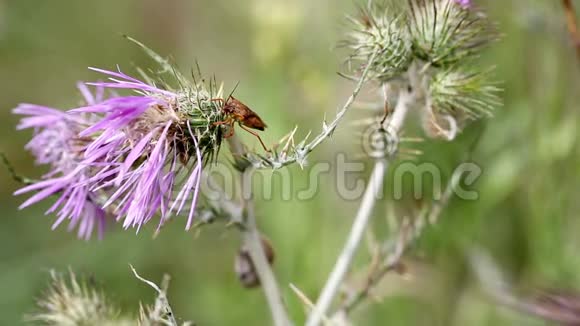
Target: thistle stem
pixel 252 240
pixel 374 188
pixel 397 247
pixel 348 252
pixel 327 129
pixel 394 249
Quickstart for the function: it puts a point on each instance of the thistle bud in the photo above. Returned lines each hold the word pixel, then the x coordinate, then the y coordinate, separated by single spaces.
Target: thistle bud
pixel 445 32
pixel 453 98
pixel 244 266
pixel 469 93
pixel 69 301
pixel 378 30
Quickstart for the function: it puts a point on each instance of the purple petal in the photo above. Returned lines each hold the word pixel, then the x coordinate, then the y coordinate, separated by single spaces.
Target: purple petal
pixel 88 96
pixel 135 154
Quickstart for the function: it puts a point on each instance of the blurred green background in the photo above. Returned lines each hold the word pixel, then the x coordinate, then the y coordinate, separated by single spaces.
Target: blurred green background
pixel 282 53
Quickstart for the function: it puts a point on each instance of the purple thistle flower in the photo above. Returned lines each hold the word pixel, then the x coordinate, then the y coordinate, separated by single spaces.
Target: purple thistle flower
pixel 137 148
pixel 129 157
pixel 55 143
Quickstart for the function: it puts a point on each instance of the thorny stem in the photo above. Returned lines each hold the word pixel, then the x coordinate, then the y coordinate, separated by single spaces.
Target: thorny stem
pixel 572 24
pixel 252 240
pixel 374 188
pixel 327 129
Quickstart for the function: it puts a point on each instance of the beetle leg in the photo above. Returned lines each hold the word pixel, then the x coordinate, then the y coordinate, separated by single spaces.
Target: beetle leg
pixel 230 123
pixel 255 134
pixel 231 131
pixel 225 122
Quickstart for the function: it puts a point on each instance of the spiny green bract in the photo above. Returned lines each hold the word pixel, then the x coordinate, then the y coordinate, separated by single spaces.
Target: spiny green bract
pixel 199 100
pixel 203 109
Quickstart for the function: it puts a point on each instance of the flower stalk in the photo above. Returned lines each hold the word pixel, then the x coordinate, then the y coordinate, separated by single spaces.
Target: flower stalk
pixel 253 242
pixel 373 190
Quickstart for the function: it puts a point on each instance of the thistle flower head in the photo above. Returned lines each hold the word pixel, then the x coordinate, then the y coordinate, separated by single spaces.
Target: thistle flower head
pixel 379 30
pixel 141 145
pixel 56 143
pixel 445 32
pixel 136 156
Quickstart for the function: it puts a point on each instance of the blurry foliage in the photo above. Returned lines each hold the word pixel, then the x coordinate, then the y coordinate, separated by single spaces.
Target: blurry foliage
pixel 527 213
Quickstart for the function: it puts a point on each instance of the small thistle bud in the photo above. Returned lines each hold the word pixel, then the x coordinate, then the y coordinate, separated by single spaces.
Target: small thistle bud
pixel 472 93
pixel 455 97
pixel 446 31
pixel 378 30
pixel 244 267
pixel 70 302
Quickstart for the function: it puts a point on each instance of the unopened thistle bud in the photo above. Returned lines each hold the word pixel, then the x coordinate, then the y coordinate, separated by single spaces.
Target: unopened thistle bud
pixel 446 31
pixel 470 92
pixel 382 32
pixel 73 302
pixel 244 266
pixel 455 97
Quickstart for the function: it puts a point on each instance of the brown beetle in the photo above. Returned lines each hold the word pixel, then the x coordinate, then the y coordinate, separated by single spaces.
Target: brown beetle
pixel 237 111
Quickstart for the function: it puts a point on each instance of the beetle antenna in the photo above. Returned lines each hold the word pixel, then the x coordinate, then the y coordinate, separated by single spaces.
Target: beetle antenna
pixel 233 90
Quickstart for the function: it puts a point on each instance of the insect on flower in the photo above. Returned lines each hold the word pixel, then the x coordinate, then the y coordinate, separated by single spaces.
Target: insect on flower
pixel 132 156
pixel 237 111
